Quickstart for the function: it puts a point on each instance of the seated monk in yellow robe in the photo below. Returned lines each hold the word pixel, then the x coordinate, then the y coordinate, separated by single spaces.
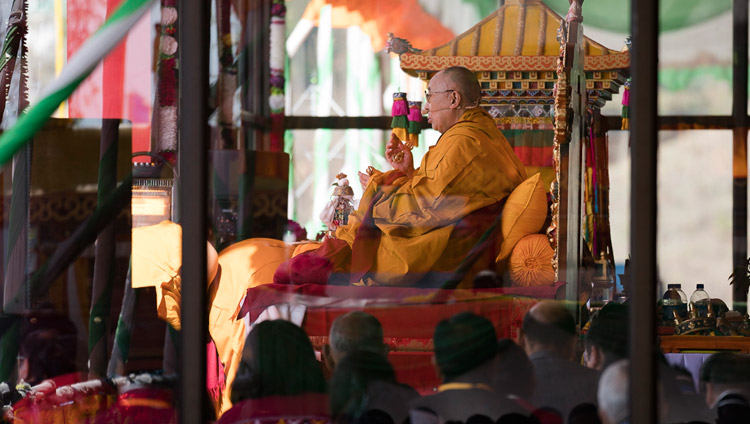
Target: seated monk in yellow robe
pixel 414 226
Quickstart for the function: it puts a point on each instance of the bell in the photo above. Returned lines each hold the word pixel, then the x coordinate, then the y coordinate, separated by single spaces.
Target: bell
pixel 343 191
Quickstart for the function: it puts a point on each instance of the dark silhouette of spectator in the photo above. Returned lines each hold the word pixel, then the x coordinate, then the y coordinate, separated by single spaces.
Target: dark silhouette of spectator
pixel 515 418
pixel 46 354
pixel 375 416
pixel 353 331
pixel 514 372
pixel 278 376
pixel 548 335
pixel 585 413
pixel 733 409
pixel 607 341
pixel 726 377
pixel 465 349
pixel 479 419
pixel 365 381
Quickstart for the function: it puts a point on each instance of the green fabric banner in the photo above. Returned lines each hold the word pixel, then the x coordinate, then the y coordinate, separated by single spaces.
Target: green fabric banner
pixel 614 15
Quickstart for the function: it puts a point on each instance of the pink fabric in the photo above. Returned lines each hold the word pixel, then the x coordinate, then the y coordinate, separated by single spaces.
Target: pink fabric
pixel 400 106
pixel 118 88
pixel 215 375
pixel 305 268
pixel 307 406
pixel 315 295
pixel 415 111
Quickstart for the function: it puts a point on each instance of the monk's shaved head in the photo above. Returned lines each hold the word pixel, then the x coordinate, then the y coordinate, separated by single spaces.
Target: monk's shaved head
pixel 465 81
pixel 356 331
pixel 551 312
pixel 549 325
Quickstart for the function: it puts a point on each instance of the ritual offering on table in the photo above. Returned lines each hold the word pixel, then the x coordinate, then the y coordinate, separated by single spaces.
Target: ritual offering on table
pixel 336 212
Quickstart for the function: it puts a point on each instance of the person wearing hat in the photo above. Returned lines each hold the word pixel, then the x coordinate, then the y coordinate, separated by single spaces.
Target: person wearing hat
pixel 465 352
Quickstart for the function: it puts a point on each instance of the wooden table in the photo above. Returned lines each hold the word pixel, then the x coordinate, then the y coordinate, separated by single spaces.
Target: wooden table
pixel 677 344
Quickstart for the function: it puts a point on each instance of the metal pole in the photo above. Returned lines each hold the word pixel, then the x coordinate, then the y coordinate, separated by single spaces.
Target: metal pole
pixel 643 207
pixel 193 166
pixel 739 153
pixel 104 263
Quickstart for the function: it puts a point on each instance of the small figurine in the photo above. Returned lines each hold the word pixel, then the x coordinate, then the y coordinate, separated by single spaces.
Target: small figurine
pixel 336 212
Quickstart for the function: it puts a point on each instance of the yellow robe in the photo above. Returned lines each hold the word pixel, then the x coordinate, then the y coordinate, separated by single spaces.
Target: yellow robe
pixel 471 166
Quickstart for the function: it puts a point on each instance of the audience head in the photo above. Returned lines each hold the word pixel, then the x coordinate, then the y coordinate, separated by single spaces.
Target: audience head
pixel 549 326
pixel 278 360
pixel 514 372
pixel 354 331
pixel 462 343
pixel 733 409
pixel 725 372
pixel 612 394
pixel 351 378
pixel 607 338
pixel 46 353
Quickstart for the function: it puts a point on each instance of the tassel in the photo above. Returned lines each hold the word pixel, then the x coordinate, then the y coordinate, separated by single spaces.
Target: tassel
pixel 401 134
pixel 415 127
pixel 399 122
pixel 626 105
pixel 415 122
pixel 415 111
pixel 399 104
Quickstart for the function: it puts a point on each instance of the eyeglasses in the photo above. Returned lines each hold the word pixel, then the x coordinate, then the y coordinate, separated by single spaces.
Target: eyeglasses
pixel 427 94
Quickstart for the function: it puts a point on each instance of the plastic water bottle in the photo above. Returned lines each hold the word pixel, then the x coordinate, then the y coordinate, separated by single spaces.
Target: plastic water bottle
pixel 683 309
pixel 700 301
pixel 671 302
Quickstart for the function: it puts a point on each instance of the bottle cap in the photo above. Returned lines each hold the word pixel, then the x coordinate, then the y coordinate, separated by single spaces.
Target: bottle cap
pixel 671 286
pixel 699 286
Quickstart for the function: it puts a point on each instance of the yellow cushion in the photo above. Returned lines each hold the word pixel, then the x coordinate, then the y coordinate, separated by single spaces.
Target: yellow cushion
pixel 531 262
pixel 524 213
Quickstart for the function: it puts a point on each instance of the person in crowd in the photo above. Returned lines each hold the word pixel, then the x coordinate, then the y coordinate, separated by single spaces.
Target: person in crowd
pixel 612 394
pixel 403 234
pixel 278 375
pixel 726 377
pixel 465 352
pixel 364 381
pixel 548 335
pixel 607 341
pixel 360 335
pixel 352 331
pixel 514 372
pixel 45 354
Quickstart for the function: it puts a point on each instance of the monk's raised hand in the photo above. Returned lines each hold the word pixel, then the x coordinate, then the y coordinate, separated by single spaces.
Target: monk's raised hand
pixel 364 179
pixel 393 147
pixel 396 148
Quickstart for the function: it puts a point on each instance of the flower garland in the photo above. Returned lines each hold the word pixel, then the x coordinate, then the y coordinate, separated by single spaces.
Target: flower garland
pixel 166 89
pixel 227 81
pixel 277 58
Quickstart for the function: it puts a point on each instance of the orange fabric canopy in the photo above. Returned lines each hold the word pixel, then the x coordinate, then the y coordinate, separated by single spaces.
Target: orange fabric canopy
pixel 404 18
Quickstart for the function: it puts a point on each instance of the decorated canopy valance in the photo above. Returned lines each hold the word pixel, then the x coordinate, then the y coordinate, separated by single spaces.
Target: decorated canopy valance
pixel 514 52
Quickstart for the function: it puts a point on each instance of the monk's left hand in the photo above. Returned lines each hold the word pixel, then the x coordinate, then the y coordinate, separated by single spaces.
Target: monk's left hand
pixel 364 179
pixel 394 146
